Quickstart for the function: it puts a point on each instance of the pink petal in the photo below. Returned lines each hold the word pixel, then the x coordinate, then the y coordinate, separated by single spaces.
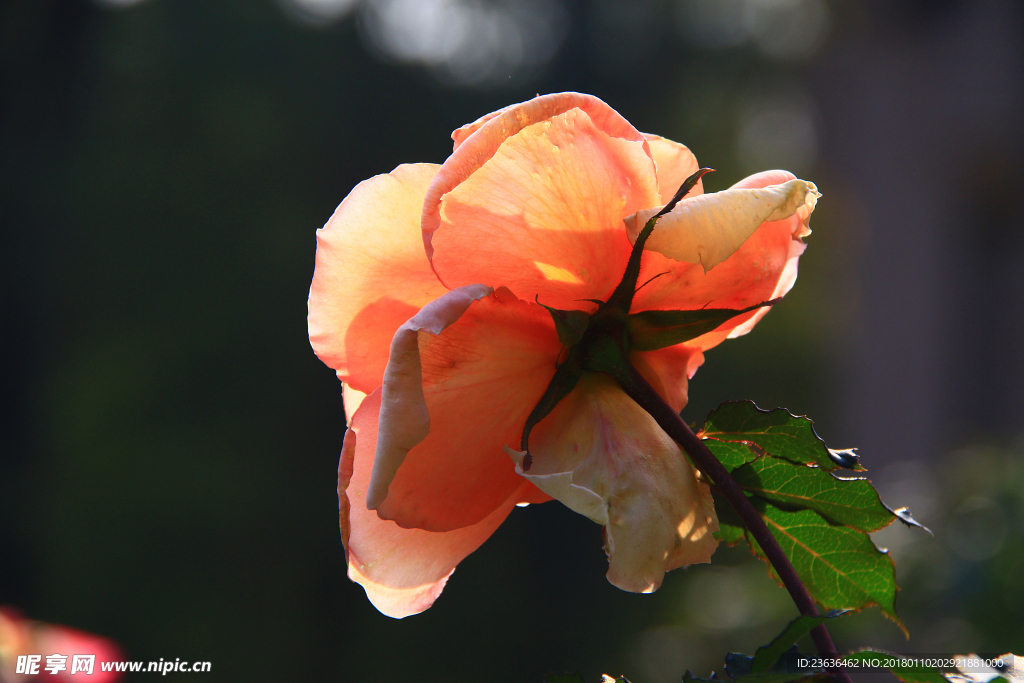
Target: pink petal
pixel 371 274
pixel 481 377
pixel 762 268
pixel 402 570
pixel 533 198
pixel 603 456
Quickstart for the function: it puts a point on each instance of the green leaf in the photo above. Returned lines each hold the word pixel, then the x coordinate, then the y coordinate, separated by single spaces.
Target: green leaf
pixel 651 330
pixel 730 529
pixel 777 432
pixel 841 567
pixel 903 514
pixel 570 325
pixel 733 454
pixel 907 674
pixel 850 502
pixel 768 655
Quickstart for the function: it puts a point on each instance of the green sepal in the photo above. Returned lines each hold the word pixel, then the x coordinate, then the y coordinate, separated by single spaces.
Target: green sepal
pixel 768 656
pixel 622 297
pixel 777 432
pixel 652 330
pixel 570 325
pixel 907 674
pixel 566 377
pixel 849 502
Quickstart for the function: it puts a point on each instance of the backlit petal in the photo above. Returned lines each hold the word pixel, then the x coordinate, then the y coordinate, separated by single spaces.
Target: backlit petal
pixel 404 414
pixel 481 377
pixel 604 457
pixel 402 570
pixel 352 399
pixel 668 370
pixel 762 268
pixel 371 274
pixel 675 163
pixel 534 197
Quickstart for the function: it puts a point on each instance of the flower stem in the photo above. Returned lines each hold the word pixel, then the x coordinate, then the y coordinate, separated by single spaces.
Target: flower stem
pixel 644 394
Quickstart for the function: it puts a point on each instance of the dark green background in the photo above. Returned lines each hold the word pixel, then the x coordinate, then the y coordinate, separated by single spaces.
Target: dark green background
pixel 170 442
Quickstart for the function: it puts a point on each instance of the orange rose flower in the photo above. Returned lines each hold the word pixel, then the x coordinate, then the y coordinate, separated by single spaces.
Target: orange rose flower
pixel 427 298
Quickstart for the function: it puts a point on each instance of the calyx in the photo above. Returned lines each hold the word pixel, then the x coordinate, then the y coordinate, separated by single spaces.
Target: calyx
pixel 601 341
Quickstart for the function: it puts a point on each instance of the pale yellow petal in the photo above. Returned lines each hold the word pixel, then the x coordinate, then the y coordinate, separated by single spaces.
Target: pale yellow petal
pixel 604 457
pixel 710 228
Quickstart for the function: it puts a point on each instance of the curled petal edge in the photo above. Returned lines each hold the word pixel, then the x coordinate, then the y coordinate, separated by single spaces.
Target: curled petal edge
pixel 709 228
pixel 560 487
pixel 404 421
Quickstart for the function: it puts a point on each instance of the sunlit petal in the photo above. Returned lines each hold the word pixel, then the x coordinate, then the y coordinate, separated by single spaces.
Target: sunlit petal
pixel 402 570
pixel 675 163
pixel 762 268
pixel 544 182
pixel 371 274
pixel 477 378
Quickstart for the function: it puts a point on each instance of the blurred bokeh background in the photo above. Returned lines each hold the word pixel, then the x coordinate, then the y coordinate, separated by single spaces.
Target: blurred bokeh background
pixel 170 442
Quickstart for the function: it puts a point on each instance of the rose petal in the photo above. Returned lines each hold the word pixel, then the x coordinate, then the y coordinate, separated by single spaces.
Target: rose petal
pixel 668 370
pixel 533 199
pixel 402 570
pixel 404 411
pixel 710 228
pixel 603 456
pixel 675 164
pixel 481 377
pixel 371 274
pixel 796 247
pixel 352 399
pixel 763 268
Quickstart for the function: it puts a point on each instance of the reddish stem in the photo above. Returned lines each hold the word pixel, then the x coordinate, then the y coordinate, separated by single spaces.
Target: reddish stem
pixel 644 394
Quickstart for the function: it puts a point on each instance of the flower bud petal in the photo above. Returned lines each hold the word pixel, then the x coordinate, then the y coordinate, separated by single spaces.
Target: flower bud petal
pixel 709 228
